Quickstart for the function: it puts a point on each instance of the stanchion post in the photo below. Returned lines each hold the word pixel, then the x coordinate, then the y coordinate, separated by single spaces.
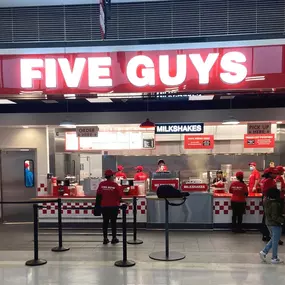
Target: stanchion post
pixel 166 229
pixel 135 240
pixel 36 261
pixel 125 262
pixel 60 247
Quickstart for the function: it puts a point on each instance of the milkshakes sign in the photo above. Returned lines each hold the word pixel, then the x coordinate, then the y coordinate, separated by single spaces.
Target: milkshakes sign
pixel 179 128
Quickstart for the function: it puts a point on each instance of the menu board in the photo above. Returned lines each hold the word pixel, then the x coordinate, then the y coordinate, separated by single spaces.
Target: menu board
pixel 109 141
pixel 259 141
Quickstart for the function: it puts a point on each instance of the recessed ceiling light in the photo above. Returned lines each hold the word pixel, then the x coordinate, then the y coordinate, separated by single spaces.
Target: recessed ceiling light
pixel 49 101
pixel 279 122
pixel 99 100
pixel 230 121
pixel 68 125
pixel 6 101
pixel 25 127
pixel 69 96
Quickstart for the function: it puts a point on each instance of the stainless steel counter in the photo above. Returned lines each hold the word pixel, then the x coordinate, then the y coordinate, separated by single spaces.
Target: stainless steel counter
pixel 196 212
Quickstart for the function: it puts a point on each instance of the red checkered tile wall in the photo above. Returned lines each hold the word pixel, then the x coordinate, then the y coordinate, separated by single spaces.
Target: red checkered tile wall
pixel 42 188
pixel 51 208
pixel 223 207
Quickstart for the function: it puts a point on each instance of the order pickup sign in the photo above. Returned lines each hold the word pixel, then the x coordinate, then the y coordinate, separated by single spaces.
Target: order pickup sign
pixel 259 141
pixel 84 132
pixel 259 128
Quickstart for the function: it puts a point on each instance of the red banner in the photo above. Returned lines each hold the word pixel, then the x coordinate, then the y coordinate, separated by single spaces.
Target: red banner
pixel 193 187
pixel 155 183
pixel 259 141
pixel 199 142
pixel 192 70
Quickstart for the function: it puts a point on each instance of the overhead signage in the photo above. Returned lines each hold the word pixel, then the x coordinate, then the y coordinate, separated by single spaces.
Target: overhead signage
pixel 185 70
pixel 199 142
pixel 194 187
pixel 109 141
pixel 87 131
pixel 155 183
pixel 259 128
pixel 179 128
pixel 259 141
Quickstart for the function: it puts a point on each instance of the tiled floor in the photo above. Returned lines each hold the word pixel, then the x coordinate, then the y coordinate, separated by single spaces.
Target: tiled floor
pixel 211 258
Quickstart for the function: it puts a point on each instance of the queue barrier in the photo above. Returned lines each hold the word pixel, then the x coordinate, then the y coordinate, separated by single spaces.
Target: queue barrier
pixel 60 248
pixel 35 261
pixel 120 263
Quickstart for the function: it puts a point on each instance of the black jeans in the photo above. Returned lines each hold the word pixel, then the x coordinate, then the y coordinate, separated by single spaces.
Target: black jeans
pixel 238 209
pixel 110 214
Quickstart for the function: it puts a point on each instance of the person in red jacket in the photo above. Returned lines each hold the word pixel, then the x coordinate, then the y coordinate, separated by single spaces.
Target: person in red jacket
pixel 109 194
pixel 268 182
pixel 120 174
pixel 140 175
pixel 239 191
pixel 254 178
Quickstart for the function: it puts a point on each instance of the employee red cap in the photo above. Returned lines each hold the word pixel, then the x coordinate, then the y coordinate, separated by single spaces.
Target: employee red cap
pixel 252 163
pixel 139 167
pixel 280 168
pixel 120 167
pixel 239 174
pixel 109 172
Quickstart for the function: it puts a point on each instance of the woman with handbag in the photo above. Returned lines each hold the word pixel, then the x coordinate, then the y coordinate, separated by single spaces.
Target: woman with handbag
pixel 109 195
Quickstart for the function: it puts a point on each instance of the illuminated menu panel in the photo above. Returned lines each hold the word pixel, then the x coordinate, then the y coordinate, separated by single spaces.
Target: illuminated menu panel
pixel 109 141
pixel 71 142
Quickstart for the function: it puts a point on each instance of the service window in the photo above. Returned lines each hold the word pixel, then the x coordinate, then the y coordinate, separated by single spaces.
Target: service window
pixel 29 173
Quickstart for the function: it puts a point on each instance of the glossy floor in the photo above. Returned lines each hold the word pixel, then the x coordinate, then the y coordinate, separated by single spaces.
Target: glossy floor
pixel 211 258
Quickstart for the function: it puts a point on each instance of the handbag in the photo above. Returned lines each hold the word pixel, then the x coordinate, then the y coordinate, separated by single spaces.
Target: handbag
pixel 98 209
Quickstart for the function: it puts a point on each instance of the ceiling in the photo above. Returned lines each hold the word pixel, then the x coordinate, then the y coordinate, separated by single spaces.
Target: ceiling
pixel 22 3
pixel 56 104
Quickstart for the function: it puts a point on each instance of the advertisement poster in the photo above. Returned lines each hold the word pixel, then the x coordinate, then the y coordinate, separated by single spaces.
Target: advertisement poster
pixel 259 141
pixel 199 142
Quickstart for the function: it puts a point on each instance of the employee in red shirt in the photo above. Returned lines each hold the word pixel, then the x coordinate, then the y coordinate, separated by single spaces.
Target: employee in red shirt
pixel 254 178
pixel 109 193
pixel 239 191
pixel 161 166
pixel 140 175
pixel 120 174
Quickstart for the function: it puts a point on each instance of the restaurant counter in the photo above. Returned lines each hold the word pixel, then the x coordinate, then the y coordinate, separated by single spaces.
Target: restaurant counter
pixel 222 213
pixel 84 218
pixel 202 210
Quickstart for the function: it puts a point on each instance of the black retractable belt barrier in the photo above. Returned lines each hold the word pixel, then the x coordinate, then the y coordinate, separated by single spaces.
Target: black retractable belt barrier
pixel 124 262
pixel 135 240
pixel 60 247
pixel 36 261
pixel 169 192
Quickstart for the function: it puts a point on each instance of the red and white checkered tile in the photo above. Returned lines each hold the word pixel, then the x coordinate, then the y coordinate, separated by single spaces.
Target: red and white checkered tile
pixel 42 190
pixel 222 212
pixel 49 210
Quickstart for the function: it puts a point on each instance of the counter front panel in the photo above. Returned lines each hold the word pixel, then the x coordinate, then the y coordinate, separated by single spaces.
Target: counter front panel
pixel 222 211
pixel 48 214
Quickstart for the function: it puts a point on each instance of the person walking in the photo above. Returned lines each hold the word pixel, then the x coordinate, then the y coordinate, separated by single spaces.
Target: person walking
pixel 109 195
pixel 239 191
pixel 274 221
pixel 267 183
